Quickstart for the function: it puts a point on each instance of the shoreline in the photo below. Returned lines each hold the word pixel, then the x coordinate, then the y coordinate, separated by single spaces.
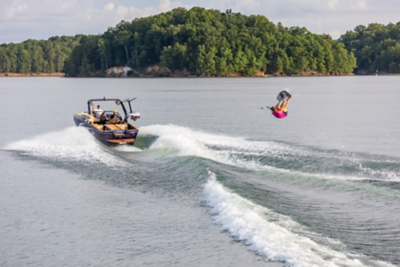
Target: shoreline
pixel 52 74
pixel 56 74
pixel 157 73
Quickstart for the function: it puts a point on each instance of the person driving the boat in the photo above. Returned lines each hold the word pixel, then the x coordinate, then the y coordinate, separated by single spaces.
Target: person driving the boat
pixel 103 118
pixel 114 117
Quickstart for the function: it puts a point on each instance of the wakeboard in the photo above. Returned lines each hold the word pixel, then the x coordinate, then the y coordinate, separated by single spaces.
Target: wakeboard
pixel 282 96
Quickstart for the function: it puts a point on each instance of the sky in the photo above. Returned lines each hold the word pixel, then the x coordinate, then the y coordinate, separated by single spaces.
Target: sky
pixel 41 19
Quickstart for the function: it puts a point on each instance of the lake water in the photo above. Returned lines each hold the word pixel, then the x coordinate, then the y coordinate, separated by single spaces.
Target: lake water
pixel 213 179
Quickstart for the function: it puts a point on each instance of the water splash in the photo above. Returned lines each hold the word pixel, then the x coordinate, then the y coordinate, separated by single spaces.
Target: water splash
pixel 72 143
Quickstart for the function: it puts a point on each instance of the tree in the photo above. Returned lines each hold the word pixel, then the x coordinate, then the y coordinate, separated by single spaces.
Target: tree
pixel 23 64
pixel 37 59
pixel 3 59
pixel 373 46
pixel 122 38
pixel 102 51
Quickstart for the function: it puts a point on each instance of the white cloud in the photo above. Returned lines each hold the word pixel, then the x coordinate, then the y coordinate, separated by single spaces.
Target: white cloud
pixel 332 4
pixel 10 9
pixel 122 11
pixel 362 5
pixel 166 5
pixel 109 6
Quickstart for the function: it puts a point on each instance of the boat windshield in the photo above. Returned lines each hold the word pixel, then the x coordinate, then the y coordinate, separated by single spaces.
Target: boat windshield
pixel 109 116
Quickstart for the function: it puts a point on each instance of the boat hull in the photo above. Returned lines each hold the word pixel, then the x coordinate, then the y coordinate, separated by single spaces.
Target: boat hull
pixel 108 137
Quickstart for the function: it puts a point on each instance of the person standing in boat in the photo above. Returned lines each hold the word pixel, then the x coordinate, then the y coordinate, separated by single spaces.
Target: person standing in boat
pixel 98 111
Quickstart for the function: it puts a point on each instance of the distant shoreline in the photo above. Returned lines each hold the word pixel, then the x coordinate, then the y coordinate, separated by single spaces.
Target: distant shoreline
pixel 52 74
pixel 157 72
pixel 56 74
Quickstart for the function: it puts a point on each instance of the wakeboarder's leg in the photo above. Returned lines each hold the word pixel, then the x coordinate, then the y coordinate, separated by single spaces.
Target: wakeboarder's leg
pixel 285 104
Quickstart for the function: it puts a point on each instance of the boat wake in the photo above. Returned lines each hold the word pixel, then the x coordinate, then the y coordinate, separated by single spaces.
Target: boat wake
pixel 71 144
pixel 263 229
pixel 303 162
pixel 266 156
pixel 277 237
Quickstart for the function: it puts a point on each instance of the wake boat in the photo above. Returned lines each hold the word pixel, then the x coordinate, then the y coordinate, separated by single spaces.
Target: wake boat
pixel 109 127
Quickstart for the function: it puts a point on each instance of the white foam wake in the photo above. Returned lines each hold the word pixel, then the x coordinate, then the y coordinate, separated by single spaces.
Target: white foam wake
pixel 72 143
pixel 186 141
pixel 237 151
pixel 218 147
pixel 270 234
pixel 190 142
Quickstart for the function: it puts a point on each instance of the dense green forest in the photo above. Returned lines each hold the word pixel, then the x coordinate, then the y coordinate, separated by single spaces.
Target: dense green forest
pixel 32 56
pixel 208 42
pixel 376 47
pixel 211 42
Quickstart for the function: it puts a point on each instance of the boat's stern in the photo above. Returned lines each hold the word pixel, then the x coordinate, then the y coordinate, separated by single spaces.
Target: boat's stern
pixel 120 134
pixel 122 137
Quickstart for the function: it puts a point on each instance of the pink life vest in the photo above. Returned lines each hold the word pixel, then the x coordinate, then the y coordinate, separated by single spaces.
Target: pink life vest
pixel 279 115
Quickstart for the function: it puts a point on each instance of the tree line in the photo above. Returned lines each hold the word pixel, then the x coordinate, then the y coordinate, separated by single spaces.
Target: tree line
pixel 376 47
pixel 37 56
pixel 211 42
pixel 208 42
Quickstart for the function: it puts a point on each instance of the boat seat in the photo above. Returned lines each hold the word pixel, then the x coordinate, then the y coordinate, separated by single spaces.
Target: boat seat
pixel 122 126
pixel 98 126
pixel 112 127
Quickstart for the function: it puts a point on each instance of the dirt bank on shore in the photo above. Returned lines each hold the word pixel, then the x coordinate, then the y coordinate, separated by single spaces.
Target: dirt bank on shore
pixel 53 74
